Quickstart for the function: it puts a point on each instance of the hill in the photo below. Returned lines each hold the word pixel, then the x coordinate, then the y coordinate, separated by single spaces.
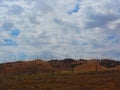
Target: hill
pixel 66 74
pixel 58 66
pixel 25 67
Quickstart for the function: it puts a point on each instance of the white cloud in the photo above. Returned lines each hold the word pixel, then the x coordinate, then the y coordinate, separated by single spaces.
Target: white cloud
pixel 46 27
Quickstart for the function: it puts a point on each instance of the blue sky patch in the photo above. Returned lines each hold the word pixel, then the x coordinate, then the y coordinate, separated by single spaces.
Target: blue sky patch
pixel 75 10
pixel 22 56
pixel 8 42
pixel 15 32
pixel 110 37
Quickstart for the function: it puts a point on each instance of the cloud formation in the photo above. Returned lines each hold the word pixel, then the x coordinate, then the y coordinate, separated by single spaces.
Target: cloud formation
pixel 59 28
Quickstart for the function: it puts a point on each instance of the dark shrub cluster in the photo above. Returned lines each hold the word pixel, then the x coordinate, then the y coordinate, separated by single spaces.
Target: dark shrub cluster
pixel 109 63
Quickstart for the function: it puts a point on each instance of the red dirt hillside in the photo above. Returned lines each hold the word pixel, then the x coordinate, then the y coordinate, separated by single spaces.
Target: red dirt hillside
pixel 97 65
pixel 25 67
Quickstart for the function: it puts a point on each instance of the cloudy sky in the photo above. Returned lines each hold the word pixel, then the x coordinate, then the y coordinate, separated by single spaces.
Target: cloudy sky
pixel 59 28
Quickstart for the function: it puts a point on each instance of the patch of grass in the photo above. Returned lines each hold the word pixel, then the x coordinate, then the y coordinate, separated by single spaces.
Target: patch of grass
pixel 62 81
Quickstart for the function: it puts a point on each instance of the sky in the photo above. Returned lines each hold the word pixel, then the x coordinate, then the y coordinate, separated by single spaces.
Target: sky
pixel 59 28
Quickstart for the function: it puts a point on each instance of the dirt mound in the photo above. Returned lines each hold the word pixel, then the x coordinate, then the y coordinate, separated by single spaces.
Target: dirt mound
pixel 36 66
pixel 90 65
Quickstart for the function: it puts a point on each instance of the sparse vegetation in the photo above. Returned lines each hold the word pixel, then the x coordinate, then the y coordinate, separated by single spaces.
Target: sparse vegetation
pixel 109 63
pixel 83 76
pixel 81 81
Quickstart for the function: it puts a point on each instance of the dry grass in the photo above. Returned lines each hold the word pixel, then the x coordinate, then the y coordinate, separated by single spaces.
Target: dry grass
pixel 82 81
pixel 37 75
